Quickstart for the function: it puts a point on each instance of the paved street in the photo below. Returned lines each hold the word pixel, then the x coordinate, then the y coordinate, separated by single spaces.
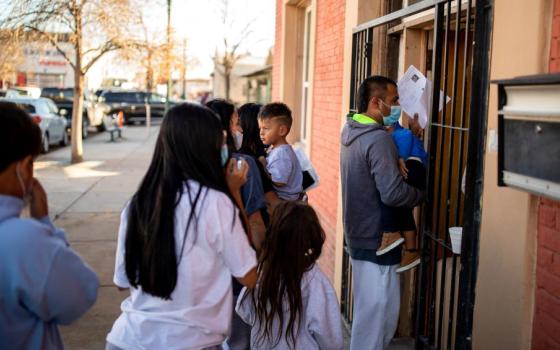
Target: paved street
pixel 86 200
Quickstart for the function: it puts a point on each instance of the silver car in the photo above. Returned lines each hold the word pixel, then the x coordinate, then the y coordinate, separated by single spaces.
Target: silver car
pixel 45 113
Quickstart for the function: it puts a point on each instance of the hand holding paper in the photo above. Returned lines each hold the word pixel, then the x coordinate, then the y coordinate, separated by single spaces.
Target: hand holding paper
pixel 415 94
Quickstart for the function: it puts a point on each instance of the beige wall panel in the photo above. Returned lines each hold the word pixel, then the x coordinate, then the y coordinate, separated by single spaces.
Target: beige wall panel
pixel 505 287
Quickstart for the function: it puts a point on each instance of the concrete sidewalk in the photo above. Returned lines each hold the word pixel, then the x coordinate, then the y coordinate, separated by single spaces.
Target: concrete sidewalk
pixel 86 200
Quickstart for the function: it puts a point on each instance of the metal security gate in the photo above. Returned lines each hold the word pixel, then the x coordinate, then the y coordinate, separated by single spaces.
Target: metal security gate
pixel 445 282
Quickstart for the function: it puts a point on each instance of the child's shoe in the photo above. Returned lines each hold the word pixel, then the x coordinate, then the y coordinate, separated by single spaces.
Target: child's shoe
pixel 389 241
pixel 410 259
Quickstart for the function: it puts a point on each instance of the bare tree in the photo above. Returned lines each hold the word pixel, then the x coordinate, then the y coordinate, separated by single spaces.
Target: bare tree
pixel 151 53
pixel 148 51
pixel 233 41
pixel 11 54
pixel 93 27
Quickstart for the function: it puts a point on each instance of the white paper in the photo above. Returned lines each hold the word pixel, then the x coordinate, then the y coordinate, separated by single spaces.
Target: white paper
pixel 411 87
pixel 415 93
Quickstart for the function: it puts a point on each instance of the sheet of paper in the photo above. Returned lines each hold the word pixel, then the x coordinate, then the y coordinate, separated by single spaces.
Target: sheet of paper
pixel 415 93
pixel 411 87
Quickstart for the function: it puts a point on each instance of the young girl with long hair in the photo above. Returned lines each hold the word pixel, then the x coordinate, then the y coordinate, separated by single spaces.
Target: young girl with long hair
pixel 181 239
pixel 294 305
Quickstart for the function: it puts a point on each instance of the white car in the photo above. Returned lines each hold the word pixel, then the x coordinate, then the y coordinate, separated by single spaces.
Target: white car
pixel 45 113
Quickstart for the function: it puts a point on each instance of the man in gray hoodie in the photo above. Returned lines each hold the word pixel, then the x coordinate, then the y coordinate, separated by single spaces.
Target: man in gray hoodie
pixel 369 176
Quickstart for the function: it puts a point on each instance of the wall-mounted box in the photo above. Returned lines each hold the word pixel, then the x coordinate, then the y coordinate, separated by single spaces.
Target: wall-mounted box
pixel 529 134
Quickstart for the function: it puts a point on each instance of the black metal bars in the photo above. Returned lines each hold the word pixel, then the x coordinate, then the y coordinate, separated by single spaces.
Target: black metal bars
pixel 443 315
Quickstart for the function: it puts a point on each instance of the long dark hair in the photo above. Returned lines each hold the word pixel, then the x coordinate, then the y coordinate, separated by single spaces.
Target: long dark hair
pixel 225 110
pixel 294 242
pixel 248 119
pixel 187 148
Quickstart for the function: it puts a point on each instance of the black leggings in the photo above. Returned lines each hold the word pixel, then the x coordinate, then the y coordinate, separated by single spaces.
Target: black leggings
pixel 395 219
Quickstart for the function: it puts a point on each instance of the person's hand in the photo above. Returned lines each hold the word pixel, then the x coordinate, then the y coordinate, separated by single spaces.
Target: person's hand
pixel 39 207
pixel 403 169
pixel 236 177
pixel 414 126
pixel 263 161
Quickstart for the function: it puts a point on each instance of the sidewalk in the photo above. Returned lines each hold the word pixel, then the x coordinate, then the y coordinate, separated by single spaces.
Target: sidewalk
pixel 86 200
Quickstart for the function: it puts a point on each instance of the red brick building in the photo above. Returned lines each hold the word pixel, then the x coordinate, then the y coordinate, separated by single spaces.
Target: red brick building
pixel 517 303
pixel 546 327
pixel 327 19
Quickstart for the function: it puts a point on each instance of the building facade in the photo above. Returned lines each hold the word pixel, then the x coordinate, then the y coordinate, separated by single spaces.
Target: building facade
pixel 513 263
pixel 41 65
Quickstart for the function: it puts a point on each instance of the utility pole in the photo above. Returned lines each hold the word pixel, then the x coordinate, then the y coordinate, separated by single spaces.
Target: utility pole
pixel 168 54
pixel 184 69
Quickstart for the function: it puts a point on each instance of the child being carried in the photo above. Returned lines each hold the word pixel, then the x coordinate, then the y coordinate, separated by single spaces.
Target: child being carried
pixel 398 222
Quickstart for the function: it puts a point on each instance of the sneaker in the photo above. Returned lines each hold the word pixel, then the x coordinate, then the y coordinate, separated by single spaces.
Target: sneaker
pixel 390 241
pixel 410 259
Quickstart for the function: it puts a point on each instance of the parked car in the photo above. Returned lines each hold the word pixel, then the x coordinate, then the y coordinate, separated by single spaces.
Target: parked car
pixel 45 113
pixel 132 104
pixel 64 100
pixel 23 92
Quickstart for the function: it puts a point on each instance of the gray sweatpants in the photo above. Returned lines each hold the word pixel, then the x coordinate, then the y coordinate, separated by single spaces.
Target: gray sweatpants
pixel 377 298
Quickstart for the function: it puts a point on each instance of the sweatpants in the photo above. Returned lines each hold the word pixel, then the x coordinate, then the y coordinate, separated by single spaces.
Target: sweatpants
pixel 377 298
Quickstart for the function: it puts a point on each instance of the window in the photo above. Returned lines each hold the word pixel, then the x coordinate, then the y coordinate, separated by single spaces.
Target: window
pixel 29 108
pixel 305 100
pixel 52 107
pixel 157 98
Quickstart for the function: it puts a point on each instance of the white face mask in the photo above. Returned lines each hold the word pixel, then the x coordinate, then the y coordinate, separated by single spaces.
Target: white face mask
pixel 237 139
pixel 26 190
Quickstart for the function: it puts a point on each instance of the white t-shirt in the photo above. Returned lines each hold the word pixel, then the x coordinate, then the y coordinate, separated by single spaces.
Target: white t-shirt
pixel 199 312
pixel 321 323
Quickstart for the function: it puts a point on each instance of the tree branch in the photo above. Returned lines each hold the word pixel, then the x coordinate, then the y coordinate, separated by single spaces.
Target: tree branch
pixel 52 40
pixel 107 47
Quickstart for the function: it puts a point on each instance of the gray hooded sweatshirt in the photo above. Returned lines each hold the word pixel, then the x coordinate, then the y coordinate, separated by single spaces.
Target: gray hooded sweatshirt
pixel 369 176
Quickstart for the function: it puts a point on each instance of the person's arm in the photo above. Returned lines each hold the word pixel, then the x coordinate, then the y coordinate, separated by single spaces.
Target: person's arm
pixel 244 307
pixel 414 125
pixel 250 279
pixel 39 209
pixel 393 190
pixel 235 179
pixel 70 289
pixel 403 140
pixel 252 194
pixel 280 167
pixel 70 286
pixel 323 317
pixel 258 230
pixel 232 244
pixel 120 279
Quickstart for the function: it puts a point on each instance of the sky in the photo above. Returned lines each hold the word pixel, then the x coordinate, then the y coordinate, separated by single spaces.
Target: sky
pixel 201 23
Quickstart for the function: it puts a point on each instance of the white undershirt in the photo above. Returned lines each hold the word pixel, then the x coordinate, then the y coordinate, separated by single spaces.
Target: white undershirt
pixel 199 312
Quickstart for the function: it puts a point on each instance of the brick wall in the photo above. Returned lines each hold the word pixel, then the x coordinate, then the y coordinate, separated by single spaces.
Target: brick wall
pixel 546 326
pixel 327 113
pixel 555 40
pixel 276 58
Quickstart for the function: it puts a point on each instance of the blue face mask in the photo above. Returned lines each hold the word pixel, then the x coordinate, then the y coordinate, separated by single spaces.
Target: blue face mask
pixel 394 116
pixel 225 154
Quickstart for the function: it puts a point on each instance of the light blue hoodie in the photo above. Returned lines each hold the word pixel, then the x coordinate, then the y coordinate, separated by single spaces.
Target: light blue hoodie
pixel 43 282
